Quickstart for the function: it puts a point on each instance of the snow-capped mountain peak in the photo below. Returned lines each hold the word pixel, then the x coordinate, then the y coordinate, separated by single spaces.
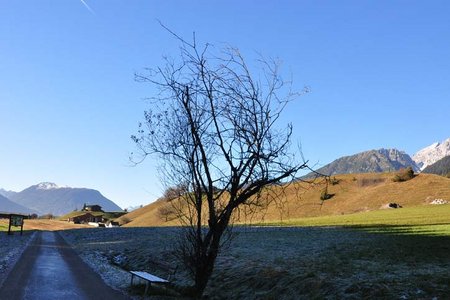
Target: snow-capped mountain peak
pixel 431 154
pixel 48 197
pixel 48 186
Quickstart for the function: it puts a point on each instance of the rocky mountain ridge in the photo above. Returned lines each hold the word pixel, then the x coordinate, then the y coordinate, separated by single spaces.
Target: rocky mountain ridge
pixel 372 161
pixel 386 160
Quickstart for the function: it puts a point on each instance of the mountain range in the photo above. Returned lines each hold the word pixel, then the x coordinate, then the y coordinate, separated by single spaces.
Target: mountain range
pixel 372 161
pixel 49 198
pixel 386 160
pixel 7 194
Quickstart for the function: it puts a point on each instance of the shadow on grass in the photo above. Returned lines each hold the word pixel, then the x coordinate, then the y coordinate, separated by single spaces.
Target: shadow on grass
pixel 430 230
pixel 155 291
pixel 413 243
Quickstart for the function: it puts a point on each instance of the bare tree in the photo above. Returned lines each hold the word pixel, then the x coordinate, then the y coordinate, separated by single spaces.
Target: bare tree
pixel 173 192
pixel 167 212
pixel 213 125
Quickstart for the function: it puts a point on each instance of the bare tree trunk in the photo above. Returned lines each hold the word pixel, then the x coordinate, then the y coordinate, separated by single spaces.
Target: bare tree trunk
pixel 206 267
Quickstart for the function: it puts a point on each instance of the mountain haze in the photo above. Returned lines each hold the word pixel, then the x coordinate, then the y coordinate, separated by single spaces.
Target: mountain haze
pixel 47 197
pixel 7 194
pixel 373 161
pixel 9 206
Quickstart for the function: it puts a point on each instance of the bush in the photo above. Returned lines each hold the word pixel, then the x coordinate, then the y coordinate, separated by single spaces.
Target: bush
pixel 334 180
pixel 167 212
pixel 324 194
pixel 47 217
pixel 404 175
pixel 173 192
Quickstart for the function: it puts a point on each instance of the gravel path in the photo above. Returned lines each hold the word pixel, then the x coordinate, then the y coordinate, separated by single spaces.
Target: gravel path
pixel 92 254
pixel 11 248
pixel 50 269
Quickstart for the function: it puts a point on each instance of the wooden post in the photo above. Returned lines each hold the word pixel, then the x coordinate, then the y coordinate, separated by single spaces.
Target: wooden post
pixel 21 227
pixel 146 287
pixel 9 227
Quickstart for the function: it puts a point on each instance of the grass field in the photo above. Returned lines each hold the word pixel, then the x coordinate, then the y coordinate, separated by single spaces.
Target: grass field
pixel 390 254
pixel 418 215
pixel 41 224
pixel 4 224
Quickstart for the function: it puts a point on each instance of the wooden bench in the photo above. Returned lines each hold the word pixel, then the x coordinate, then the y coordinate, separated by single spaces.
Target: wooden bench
pixel 149 278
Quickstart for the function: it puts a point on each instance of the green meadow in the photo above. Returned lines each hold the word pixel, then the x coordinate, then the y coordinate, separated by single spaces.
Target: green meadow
pixel 436 216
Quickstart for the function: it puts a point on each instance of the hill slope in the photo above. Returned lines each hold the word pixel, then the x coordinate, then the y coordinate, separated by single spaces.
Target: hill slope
pixel 49 198
pixel 9 206
pixel 353 193
pixel 441 167
pixel 382 160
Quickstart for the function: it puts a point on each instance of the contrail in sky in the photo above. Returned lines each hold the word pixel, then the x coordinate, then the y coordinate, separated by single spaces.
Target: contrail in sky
pixel 87 6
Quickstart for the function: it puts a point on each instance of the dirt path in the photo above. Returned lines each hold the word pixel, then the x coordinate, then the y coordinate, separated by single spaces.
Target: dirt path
pixel 50 269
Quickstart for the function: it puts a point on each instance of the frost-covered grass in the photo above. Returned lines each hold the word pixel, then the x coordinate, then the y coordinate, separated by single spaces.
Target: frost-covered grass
pixel 11 247
pixel 286 262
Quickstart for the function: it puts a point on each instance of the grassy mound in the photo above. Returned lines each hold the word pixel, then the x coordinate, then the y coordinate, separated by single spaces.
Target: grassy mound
pixel 352 193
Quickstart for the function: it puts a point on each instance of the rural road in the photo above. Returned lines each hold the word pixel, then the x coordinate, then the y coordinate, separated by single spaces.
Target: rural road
pixel 50 269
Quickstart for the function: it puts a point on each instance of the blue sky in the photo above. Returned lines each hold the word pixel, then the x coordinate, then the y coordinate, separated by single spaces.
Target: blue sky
pixel 379 73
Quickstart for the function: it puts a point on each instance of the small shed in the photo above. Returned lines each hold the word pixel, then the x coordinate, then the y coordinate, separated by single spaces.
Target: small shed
pixel 111 224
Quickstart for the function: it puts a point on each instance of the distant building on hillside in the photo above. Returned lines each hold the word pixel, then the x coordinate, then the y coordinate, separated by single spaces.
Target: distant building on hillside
pixel 85 218
pixel 94 207
pixel 93 215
